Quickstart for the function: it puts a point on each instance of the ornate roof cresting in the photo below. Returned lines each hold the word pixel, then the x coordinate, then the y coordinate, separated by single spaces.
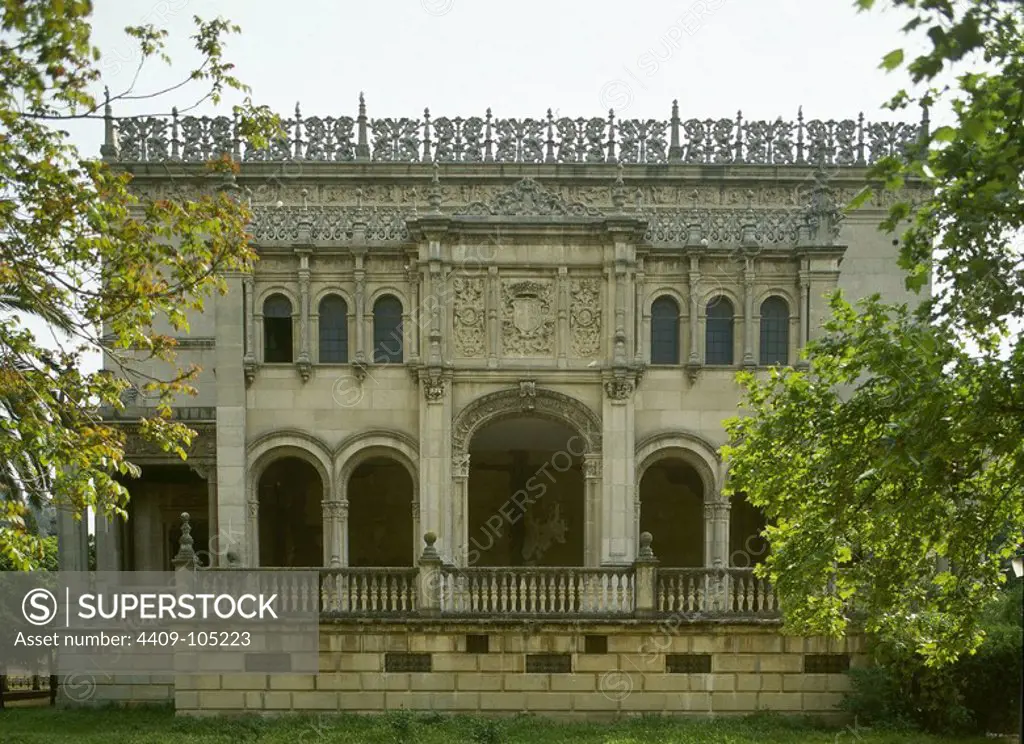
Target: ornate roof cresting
pixel 490 139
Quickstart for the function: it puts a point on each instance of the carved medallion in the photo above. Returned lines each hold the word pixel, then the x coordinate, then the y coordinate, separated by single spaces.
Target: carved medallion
pixel 528 323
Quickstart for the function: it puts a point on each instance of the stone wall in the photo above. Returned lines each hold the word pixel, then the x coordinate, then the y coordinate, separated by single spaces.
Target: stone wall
pixel 616 668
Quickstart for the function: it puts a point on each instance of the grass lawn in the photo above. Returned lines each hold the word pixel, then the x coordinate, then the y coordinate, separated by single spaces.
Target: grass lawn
pixel 159 726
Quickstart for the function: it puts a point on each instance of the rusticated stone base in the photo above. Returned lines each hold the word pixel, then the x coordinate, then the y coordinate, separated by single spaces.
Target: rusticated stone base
pixel 725 668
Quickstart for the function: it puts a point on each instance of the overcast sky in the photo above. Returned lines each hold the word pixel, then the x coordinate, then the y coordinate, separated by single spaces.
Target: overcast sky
pixel 766 57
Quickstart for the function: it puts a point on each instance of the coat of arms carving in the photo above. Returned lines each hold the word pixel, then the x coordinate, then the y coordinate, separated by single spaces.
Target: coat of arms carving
pixel 528 323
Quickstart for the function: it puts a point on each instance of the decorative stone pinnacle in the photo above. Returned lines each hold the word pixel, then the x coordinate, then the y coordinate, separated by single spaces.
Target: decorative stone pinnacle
pixel 434 193
pixel 186 556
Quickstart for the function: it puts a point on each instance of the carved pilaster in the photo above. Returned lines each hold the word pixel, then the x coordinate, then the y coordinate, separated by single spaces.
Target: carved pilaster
pixel 249 358
pixel 303 361
pixel 493 329
pixel 437 291
pixel 640 331
pixel 748 313
pixel 693 362
pixel 803 312
pixel 563 314
pixel 359 255
pixel 412 275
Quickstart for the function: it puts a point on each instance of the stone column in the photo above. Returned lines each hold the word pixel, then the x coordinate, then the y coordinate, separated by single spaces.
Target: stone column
pixel 437 512
pixel 716 533
pixel 592 510
pixel 231 473
pixel 460 502
pixel 214 548
pixel 748 314
pixel 72 541
pixel 618 488
pixel 694 356
pixel 335 533
pixel 108 543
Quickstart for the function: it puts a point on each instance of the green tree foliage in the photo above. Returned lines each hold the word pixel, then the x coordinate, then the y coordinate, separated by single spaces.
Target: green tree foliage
pixel 80 252
pixel 892 471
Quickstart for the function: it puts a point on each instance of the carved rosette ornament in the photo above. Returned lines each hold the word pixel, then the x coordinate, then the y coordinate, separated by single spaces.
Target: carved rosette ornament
pixel 469 317
pixel 528 319
pixel 585 317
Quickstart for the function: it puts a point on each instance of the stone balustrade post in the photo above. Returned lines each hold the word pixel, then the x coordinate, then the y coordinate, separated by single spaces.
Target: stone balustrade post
pixel 429 578
pixel 645 572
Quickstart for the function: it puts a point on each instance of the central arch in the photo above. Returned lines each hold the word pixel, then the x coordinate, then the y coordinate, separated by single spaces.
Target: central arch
pixel 528 400
pixel 536 418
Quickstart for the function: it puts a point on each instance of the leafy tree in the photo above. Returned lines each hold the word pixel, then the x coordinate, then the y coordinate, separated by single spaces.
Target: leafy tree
pixel 101 266
pixel 892 472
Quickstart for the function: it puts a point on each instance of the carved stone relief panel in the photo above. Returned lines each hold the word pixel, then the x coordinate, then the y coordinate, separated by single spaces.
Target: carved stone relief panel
pixel 468 319
pixel 585 317
pixel 527 317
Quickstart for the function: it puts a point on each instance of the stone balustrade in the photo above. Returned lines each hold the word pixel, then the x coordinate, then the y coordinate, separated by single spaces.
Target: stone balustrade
pixel 436 589
pixel 490 139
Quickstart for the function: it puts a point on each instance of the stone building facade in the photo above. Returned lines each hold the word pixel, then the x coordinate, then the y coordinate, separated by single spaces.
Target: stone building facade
pixel 520 335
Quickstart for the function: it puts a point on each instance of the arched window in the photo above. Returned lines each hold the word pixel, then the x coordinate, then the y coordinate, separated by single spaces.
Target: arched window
pixel 277 329
pixel 387 330
pixel 774 331
pixel 664 331
pixel 718 334
pixel 333 330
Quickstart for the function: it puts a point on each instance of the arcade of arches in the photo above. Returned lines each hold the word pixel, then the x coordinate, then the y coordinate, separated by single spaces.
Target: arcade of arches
pixel 527 504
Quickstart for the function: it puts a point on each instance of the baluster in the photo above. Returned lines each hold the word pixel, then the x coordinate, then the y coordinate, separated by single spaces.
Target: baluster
pixel 531 582
pixel 492 602
pixel 562 607
pixel 700 596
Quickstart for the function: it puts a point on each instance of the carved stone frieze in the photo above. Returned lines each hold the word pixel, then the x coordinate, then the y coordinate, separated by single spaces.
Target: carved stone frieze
pixel 529 198
pixel 585 317
pixel 468 316
pixel 528 317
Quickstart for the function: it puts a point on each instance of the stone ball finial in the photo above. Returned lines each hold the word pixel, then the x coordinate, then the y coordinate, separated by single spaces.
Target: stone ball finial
pixel 646 538
pixel 430 538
